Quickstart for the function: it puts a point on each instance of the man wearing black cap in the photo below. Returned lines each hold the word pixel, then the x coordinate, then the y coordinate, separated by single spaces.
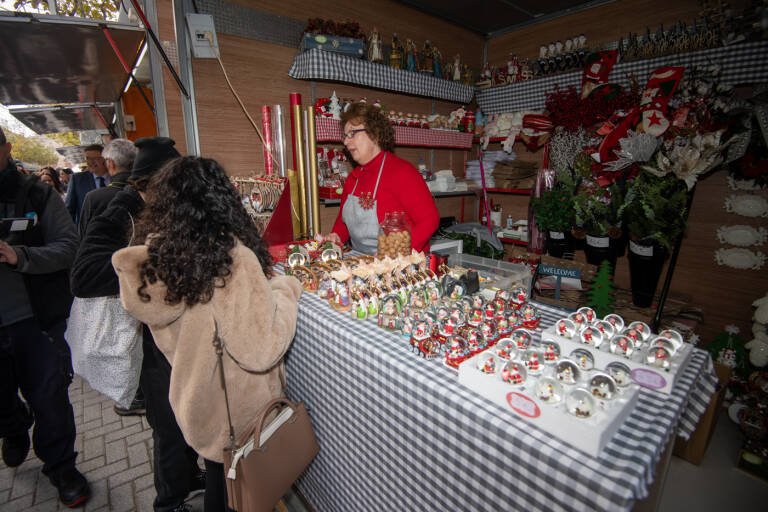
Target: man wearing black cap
pixel 34 304
pixel 175 463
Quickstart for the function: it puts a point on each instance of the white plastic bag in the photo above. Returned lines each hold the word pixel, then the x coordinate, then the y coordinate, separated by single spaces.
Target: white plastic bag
pixel 105 341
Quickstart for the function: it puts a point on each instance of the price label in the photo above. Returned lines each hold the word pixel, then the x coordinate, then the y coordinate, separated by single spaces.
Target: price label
pixel 648 378
pixel 600 242
pixel 641 250
pixel 557 235
pixel 521 404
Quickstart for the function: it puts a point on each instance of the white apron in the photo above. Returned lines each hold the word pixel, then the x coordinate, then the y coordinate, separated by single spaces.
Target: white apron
pixel 363 224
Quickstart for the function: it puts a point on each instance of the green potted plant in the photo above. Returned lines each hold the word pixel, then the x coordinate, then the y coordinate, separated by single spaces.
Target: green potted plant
pixel 597 215
pixel 654 213
pixel 553 212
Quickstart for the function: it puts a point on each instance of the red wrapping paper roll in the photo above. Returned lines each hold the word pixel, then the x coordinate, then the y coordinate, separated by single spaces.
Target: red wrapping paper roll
pixel 266 130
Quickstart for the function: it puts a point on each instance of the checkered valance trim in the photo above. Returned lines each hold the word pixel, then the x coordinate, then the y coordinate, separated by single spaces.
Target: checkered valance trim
pixel 317 64
pixel 741 64
pixel 328 130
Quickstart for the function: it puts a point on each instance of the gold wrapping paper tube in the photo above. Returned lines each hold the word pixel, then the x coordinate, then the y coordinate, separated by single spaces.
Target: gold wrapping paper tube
pixel 294 188
pixel 298 141
pixel 314 193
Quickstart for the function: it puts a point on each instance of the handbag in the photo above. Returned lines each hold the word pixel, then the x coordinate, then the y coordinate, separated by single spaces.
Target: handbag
pixel 106 345
pixel 270 455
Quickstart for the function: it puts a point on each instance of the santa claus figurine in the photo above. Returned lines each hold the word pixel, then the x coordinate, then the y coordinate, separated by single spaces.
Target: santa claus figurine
pixel 533 362
pixel 549 353
pixel 512 375
pixel 489 366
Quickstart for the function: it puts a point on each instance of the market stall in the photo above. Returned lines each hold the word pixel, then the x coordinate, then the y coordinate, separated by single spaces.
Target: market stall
pixel 398 431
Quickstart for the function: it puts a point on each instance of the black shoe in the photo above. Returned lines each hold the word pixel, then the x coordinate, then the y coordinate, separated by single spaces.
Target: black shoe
pixel 15 449
pixel 184 507
pixel 136 408
pixel 72 486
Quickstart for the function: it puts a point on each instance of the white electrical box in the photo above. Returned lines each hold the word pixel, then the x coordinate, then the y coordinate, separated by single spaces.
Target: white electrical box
pixel 203 36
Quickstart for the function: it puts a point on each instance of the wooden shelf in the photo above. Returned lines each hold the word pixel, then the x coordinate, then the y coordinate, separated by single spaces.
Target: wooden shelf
pixel 328 130
pixel 514 191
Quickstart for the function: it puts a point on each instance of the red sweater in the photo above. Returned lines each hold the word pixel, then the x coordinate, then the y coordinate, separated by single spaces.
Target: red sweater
pixel 401 188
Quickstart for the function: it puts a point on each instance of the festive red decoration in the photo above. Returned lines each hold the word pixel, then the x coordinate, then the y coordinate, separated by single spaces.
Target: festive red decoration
pixel 568 110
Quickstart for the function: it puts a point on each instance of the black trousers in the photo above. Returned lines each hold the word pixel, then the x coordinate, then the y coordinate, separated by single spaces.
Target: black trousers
pixel 38 364
pixel 215 488
pixel 175 463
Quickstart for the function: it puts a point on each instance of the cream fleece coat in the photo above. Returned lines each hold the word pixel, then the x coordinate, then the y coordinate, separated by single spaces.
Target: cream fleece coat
pixel 256 318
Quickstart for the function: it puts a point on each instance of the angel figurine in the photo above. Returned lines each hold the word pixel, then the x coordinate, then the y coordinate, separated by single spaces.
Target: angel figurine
pixel 374 47
pixel 437 72
pixel 396 54
pixel 426 57
pixel 457 68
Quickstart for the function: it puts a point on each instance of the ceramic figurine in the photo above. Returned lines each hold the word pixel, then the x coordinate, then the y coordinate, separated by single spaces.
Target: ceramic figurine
pixel 512 68
pixel 374 47
pixel 396 53
pixel 411 60
pixel 334 108
pixel 426 58
pixel 457 68
pixel 437 57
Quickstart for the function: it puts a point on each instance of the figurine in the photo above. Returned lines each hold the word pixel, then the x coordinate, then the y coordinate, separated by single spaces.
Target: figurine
pixel 334 108
pixel 426 58
pixel 411 60
pixel 456 69
pixel 437 57
pixel 489 366
pixel 468 76
pixel 512 68
pixel 396 54
pixel 374 47
pixel 512 375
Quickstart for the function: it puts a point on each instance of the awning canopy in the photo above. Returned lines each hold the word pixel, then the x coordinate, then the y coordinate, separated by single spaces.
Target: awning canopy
pixel 47 60
pixel 65 118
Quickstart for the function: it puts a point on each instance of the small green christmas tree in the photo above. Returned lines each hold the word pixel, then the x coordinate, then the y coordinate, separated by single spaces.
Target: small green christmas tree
pixel 600 294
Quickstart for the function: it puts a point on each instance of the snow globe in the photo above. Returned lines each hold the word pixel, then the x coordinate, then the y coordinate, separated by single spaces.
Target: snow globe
pixel 476 341
pixel 530 317
pixel 532 362
pixel 487 364
pixel 550 352
pixel 506 349
pixel 658 357
pixel 514 373
pixel 674 336
pixel 567 372
pixel 456 351
pixel 566 327
pixel 523 338
pixel 591 335
pixel 606 328
pixel 588 313
pixel 549 390
pixel 620 373
pixel 643 328
pixel 615 320
pixel 622 345
pixel 583 358
pixel 580 403
pixel 602 386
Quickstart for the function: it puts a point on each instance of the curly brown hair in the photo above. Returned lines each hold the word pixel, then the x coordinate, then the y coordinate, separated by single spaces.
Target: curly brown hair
pixel 376 124
pixel 191 222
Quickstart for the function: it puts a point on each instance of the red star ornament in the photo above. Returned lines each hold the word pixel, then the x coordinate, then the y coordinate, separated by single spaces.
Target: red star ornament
pixel 654 122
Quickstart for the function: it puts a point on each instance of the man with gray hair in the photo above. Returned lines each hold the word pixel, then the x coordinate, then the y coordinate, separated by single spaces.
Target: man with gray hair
pixel 118 158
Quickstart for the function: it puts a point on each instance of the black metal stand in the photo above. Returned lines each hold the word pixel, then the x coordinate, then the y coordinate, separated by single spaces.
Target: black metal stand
pixel 671 268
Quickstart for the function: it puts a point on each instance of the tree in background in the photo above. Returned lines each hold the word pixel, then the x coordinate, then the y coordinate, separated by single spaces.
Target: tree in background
pixel 30 150
pixel 97 9
pixel 64 139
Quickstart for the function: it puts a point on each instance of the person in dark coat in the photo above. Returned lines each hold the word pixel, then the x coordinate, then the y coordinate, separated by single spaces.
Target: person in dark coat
pixel 176 470
pixel 83 182
pixel 34 304
pixel 118 158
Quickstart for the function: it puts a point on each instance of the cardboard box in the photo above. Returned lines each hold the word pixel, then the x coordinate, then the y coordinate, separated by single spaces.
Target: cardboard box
pixel 344 45
pixel 693 449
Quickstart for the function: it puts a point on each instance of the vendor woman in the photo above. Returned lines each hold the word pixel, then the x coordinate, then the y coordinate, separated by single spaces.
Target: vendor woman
pixel 381 183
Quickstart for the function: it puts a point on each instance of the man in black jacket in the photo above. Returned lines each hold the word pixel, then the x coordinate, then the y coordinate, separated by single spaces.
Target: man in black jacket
pixel 118 158
pixel 34 305
pixel 175 464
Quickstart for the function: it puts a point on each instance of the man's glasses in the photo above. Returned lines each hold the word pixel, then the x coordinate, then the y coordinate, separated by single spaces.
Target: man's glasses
pixel 350 134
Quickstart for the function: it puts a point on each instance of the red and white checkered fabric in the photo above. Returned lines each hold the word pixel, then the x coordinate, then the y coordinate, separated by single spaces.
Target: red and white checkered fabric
pixel 328 130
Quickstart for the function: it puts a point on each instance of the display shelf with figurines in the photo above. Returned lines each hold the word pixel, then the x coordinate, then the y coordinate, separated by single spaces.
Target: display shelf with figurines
pixel 584 408
pixel 654 361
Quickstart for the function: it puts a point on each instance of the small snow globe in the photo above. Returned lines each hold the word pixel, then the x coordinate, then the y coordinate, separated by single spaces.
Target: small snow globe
pixel 567 372
pixel 622 345
pixel 506 349
pixel 514 373
pixel 620 373
pixel 583 358
pixel 602 386
pixel 580 403
pixel 658 357
pixel 523 338
pixel 549 390
pixel 565 327
pixel 532 361
pixel 588 313
pixel 615 320
pixel 591 335
pixel 487 364
pixel 550 352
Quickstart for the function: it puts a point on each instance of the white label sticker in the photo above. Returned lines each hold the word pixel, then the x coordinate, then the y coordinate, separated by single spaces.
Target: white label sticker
pixel 598 241
pixel 641 250
pixel 557 235
pixel 19 225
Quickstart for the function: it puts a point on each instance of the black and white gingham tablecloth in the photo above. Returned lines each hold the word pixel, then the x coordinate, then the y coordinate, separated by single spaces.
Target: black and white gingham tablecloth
pixel 321 65
pixel 398 432
pixel 740 64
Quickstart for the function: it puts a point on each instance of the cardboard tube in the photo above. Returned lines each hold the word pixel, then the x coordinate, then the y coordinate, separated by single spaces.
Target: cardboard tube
pixel 307 179
pixel 314 193
pixel 298 148
pixel 294 187
pixel 278 139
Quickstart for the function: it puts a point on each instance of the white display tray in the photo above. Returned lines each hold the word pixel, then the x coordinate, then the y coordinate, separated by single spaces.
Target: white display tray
pixel 587 434
pixel 643 374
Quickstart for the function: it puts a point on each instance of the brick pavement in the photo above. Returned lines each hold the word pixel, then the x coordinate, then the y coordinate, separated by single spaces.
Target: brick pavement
pixel 115 455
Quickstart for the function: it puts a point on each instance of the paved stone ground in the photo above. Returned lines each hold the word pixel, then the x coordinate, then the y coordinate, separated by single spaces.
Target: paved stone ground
pixel 114 454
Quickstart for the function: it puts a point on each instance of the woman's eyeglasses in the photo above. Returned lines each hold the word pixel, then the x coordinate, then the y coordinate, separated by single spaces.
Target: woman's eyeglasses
pixel 350 134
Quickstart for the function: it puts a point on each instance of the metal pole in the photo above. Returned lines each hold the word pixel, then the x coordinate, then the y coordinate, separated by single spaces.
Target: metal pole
pixel 298 138
pixel 156 70
pixel 185 68
pixel 671 268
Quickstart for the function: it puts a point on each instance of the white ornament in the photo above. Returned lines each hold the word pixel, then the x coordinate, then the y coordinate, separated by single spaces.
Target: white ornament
pixel 761 313
pixel 741 259
pixel 747 205
pixel 741 235
pixel 735 184
pixel 334 108
pixel 758 350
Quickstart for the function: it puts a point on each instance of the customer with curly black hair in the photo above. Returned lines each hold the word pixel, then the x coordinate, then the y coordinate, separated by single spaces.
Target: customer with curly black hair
pixel 202 266
pixel 381 183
